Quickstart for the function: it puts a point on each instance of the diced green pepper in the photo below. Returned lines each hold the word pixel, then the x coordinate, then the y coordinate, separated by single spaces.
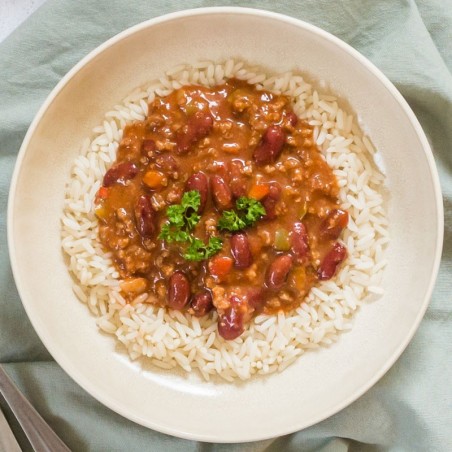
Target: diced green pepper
pixel 303 210
pixel 282 240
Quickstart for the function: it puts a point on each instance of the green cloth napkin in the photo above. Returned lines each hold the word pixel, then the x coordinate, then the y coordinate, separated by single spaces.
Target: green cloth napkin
pixel 410 408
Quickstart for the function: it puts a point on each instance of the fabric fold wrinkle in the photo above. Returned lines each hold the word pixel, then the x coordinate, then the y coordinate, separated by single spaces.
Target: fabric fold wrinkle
pixel 409 408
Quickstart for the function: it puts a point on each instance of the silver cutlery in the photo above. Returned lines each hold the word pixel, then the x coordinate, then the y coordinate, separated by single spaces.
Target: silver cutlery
pixel 42 438
pixel 8 442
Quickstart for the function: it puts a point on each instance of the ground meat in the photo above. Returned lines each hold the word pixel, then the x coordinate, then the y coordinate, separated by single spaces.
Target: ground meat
pixel 229 143
pixel 134 260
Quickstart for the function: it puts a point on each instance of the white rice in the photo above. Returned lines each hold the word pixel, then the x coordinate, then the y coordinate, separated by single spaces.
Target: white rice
pixel 270 343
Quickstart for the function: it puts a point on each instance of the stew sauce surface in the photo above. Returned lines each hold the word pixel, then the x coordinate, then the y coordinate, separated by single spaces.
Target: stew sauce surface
pixel 225 142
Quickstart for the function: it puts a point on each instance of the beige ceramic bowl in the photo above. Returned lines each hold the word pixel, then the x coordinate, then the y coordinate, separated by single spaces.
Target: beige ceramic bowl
pixel 317 385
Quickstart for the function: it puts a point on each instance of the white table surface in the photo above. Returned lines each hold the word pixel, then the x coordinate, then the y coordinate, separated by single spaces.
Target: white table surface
pixel 14 12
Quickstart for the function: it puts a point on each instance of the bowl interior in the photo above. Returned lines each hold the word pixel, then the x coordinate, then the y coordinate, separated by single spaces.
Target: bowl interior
pixel 318 384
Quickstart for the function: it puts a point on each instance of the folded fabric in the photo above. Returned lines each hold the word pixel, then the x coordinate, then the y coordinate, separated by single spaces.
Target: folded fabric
pixel 410 409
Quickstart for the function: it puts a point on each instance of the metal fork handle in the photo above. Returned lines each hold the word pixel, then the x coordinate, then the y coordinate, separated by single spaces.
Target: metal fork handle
pixel 8 442
pixel 42 438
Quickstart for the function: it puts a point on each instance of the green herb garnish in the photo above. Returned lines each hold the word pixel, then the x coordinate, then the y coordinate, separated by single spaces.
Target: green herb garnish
pixel 185 213
pixel 182 218
pixel 253 209
pixel 198 250
pixel 171 234
pixel 250 211
pixel 231 221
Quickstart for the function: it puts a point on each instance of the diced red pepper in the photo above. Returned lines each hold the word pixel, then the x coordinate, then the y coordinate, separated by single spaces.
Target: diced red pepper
pixel 101 194
pixel 220 266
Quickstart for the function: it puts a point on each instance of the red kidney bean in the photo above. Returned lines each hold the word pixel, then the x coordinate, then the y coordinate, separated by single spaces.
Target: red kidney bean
pixel 241 251
pixel 147 147
pixel 221 192
pixel 271 200
pixel 179 290
pixel 334 223
pixel 200 183
pixel 145 216
pixel 167 163
pixel 277 272
pixel 292 118
pixel 255 298
pixel 300 244
pixel 201 303
pixel 120 173
pixel 198 126
pixel 331 261
pixel 221 169
pixel 270 146
pixel 237 181
pixel 230 323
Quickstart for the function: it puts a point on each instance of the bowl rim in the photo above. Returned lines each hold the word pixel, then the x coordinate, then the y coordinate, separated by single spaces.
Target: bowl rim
pixel 65 363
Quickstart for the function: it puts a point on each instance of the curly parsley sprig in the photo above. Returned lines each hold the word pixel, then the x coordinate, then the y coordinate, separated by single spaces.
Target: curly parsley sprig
pixel 250 211
pixel 198 250
pixel 182 218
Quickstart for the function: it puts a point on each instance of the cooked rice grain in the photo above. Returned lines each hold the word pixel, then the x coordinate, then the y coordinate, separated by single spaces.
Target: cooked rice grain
pixel 271 343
